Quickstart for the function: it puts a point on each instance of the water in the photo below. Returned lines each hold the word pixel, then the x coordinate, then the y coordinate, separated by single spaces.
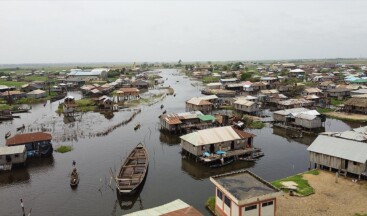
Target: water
pixel 44 183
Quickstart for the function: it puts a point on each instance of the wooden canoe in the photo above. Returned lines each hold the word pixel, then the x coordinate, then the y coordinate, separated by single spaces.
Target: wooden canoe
pixel 133 171
pixel 74 179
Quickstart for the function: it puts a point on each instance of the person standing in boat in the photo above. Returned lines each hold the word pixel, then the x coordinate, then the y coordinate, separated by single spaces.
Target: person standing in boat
pixel 74 163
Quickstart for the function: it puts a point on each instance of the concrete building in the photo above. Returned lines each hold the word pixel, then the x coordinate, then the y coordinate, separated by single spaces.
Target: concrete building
pixel 243 193
pixel 10 155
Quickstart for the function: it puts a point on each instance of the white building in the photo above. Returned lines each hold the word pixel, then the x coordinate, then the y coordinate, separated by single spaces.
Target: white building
pixel 244 193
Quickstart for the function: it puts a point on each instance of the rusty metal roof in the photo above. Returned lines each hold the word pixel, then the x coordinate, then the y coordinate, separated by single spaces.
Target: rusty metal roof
pixel 27 138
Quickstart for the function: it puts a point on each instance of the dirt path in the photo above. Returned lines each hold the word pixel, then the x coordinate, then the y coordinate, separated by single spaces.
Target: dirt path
pixel 330 198
pixel 350 116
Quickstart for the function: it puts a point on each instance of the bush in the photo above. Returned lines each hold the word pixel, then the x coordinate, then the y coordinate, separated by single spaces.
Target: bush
pixel 211 203
pixel 64 149
pixel 257 125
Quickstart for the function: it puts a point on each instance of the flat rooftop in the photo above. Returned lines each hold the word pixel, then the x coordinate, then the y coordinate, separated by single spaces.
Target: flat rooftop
pixel 244 185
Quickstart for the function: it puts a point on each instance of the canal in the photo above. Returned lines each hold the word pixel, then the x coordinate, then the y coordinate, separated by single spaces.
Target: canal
pixel 44 183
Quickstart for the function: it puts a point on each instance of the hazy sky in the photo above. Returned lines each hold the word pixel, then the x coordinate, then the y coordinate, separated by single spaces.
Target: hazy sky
pixel 58 31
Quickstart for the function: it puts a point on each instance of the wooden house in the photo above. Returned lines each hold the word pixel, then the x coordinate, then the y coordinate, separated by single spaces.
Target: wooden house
pixel 243 193
pixel 140 84
pixel 127 93
pixel 30 87
pixel 339 93
pixel 356 105
pixel 294 103
pixel 216 139
pixel 37 94
pixel 10 155
pixel 37 144
pixel 105 103
pixel 180 122
pixel 312 91
pixel 337 154
pixel 299 117
pixel 199 104
pixel 69 105
pixel 241 105
pixel 13 95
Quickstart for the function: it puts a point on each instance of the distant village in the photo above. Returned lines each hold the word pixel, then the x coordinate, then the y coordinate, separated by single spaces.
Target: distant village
pixel 215 128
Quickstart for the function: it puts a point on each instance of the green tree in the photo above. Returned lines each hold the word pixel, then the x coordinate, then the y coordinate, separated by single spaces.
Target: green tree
pixel 245 76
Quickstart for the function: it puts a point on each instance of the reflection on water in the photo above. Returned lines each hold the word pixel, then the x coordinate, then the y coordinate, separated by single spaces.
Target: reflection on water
pixel 303 138
pixel 17 175
pixel 169 138
pixel 199 171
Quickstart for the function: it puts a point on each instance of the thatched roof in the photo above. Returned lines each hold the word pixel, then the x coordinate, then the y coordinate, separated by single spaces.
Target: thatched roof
pixel 358 102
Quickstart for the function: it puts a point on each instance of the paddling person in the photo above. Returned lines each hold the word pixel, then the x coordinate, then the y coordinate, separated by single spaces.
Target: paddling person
pixel 74 163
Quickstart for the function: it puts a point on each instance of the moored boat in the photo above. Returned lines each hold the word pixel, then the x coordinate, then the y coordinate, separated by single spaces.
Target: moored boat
pixel 222 163
pixel 133 171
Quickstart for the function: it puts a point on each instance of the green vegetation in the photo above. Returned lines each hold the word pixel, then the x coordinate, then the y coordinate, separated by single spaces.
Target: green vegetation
pixel 36 78
pixel 4 107
pixel 12 83
pixel 303 188
pixel 360 214
pixel 210 203
pixel 257 125
pixel 246 76
pixel 336 102
pixel 85 105
pixel 324 110
pixel 210 79
pixel 64 149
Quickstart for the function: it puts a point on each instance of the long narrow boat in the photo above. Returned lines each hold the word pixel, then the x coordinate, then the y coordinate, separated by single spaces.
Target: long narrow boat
pixel 74 178
pixel 133 171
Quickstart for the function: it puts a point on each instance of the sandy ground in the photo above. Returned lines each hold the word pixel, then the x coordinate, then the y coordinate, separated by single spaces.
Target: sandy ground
pixel 330 198
pixel 343 115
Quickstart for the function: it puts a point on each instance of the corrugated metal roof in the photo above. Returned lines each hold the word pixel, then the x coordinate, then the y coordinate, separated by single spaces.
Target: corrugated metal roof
pixel 28 137
pixel 198 101
pixel 341 148
pixel 177 207
pixel 289 111
pixel 10 150
pixel 206 117
pixel 353 135
pixel 244 102
pixel 213 135
pixel 306 116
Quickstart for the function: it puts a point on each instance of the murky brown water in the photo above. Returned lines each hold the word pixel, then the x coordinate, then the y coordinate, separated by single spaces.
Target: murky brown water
pixel 44 183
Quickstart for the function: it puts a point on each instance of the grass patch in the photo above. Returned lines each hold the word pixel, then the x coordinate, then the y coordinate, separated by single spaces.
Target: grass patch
pixel 209 79
pixel 36 78
pixel 12 83
pixel 360 214
pixel 336 102
pixel 4 107
pixel 257 125
pixel 64 149
pixel 85 105
pixel 303 188
pixel 210 203
pixel 324 110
